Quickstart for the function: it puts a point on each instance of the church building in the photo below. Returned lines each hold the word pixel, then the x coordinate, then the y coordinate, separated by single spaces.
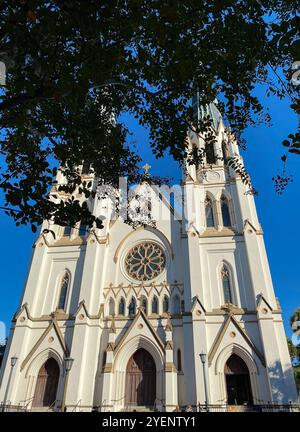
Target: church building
pixel 175 313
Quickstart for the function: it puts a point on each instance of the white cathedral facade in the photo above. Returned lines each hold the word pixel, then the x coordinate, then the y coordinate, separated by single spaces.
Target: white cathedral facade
pixel 135 308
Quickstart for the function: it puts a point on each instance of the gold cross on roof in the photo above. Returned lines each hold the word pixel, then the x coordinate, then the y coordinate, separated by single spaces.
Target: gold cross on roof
pixel 147 168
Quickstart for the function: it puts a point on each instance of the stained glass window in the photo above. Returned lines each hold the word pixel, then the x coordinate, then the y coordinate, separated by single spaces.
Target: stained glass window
pixel 111 307
pixel 166 304
pixel 176 305
pixel 225 212
pixel 63 291
pixel 144 304
pixel 132 307
pixel 155 305
pixel 209 214
pixel 226 284
pixel 122 307
pixel 145 261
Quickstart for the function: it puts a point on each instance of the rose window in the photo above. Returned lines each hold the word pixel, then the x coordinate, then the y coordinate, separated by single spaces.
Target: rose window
pixel 145 261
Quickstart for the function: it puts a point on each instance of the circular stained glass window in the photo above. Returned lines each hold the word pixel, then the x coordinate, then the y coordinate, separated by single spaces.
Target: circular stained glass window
pixel 145 261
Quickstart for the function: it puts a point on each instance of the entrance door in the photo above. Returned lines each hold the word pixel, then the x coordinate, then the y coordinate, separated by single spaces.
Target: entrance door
pixel 140 379
pixel 237 382
pixel 47 383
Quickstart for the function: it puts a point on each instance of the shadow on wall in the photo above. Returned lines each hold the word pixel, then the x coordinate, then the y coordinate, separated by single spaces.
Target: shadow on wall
pixel 283 384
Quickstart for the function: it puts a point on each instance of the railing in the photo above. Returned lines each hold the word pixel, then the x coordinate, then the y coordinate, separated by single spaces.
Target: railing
pixel 245 408
pixel 101 405
pixel 53 405
pixel 201 408
pixel 8 407
pixel 26 402
pixel 158 401
pixel 76 406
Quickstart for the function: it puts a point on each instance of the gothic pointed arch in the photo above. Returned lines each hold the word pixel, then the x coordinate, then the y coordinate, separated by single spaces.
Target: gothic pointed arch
pixel 210 153
pixel 154 305
pixel 121 309
pixel 226 282
pixel 46 387
pixel 222 366
pixel 219 337
pixel 132 306
pixel 53 325
pixel 67 230
pixel 237 378
pixel 144 303
pixel 165 304
pixel 225 151
pixel 63 290
pixel 176 305
pixel 209 212
pixel 37 360
pixel 129 344
pixel 140 386
pixel 226 218
pixel 155 231
pixel 111 306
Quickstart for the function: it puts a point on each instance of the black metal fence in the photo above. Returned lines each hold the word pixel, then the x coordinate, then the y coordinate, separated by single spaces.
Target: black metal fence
pixel 244 408
pixel 201 408
pixel 12 408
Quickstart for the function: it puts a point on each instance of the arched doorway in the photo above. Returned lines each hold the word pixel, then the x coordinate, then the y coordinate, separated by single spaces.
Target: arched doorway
pixel 47 383
pixel 140 386
pixel 237 381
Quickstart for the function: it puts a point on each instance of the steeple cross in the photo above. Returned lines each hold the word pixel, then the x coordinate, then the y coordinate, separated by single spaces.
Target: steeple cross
pixel 147 168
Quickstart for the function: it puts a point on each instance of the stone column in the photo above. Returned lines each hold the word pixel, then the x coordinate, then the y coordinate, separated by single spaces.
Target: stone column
pixel 171 391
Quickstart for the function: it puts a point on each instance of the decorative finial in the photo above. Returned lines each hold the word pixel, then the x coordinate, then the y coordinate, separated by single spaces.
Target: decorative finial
pixel 113 325
pixel 169 323
pixel 147 168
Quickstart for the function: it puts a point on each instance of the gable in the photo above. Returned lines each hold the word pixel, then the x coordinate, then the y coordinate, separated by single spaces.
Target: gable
pixel 140 325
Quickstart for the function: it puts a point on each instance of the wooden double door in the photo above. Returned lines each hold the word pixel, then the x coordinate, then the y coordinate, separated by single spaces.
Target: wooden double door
pixel 46 385
pixel 140 386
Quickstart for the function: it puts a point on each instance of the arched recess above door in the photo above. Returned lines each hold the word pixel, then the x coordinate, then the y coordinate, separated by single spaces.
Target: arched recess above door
pixel 155 231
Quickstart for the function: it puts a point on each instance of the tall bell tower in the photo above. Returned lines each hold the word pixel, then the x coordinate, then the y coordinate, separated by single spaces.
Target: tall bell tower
pixel 182 312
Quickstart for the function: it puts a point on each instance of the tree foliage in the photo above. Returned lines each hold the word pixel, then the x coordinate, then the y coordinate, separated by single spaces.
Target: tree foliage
pixel 295 317
pixel 294 350
pixel 73 67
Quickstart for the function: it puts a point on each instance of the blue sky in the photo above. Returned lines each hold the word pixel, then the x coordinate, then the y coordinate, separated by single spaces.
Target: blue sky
pixel 277 214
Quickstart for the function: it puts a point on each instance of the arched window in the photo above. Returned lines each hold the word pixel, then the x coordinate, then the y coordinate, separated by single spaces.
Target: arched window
pixel 67 231
pixel 196 156
pixel 46 384
pixel 132 307
pixel 154 306
pixel 225 151
pixel 179 365
pixel 63 291
pixel 210 153
pixel 225 212
pixel 85 168
pixel 176 305
pixel 122 307
pixel 144 304
pixel 225 275
pixel 238 382
pixel 166 304
pixel 209 213
pixel 82 230
pixel 111 306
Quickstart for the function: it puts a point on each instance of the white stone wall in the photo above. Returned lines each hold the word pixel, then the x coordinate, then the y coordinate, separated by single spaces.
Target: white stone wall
pixel 251 328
